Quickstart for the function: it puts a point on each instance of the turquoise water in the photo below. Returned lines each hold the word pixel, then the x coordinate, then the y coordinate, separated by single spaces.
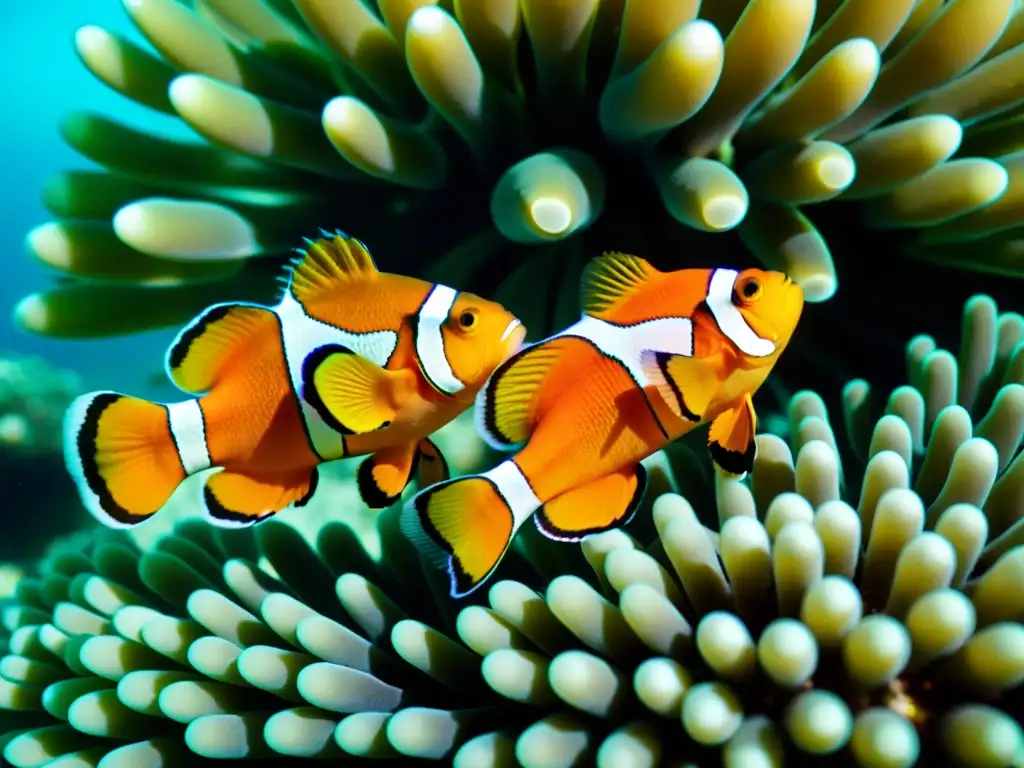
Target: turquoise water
pixel 43 80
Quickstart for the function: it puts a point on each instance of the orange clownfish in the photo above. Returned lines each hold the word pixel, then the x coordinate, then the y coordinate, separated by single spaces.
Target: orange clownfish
pixel 351 362
pixel 654 355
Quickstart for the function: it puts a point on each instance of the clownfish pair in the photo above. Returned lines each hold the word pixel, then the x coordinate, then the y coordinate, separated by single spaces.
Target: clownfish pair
pixel 351 362
pixel 655 355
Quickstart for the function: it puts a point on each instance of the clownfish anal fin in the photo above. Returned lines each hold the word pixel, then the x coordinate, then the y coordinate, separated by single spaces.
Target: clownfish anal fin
pixel 610 279
pixel 731 439
pixel 197 355
pixel 508 405
pixel 352 394
pixel 686 384
pixel 597 506
pixel 383 476
pixel 463 525
pixel 326 263
pixel 237 500
pixel 431 466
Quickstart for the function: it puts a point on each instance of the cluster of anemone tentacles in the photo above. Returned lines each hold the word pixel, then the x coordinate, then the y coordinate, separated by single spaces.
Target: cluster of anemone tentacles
pixel 865 609
pixel 497 144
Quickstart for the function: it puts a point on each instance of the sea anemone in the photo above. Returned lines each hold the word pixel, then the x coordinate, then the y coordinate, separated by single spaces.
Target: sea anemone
pixel 499 144
pixel 788 619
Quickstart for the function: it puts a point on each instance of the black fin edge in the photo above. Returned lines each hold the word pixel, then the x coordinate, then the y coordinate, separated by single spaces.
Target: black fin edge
pixel 85 442
pixel 179 352
pixel 421 456
pixel 218 511
pixel 309 392
pixel 489 409
pixel 556 533
pixel 461 583
pixel 314 481
pixel 662 358
pixel 371 494
pixel 733 462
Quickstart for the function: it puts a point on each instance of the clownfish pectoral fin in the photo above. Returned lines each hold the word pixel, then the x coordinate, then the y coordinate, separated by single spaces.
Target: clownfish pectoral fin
pixel 463 525
pixel 731 439
pixel 508 405
pixel 431 466
pixel 237 500
pixel 352 394
pixel 326 263
pixel 686 384
pixel 597 506
pixel 122 455
pixel 610 279
pixel 197 355
pixel 382 476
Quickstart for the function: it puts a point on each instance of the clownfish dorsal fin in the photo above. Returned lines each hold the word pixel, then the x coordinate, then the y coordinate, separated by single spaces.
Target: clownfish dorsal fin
pixel 325 263
pixel 611 279
pixel 731 439
pixel 507 406
pixel 197 355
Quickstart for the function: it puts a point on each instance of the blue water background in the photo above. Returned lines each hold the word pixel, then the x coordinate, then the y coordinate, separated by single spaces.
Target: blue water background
pixel 43 80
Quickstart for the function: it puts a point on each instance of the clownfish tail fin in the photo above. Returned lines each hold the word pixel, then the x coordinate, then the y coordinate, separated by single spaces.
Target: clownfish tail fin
pixel 466 525
pixel 128 455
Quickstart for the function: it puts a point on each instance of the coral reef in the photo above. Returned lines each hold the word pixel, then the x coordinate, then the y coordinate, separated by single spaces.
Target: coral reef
pixel 33 397
pixel 860 599
pixel 555 130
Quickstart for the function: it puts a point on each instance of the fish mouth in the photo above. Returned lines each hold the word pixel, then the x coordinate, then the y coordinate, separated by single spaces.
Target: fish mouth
pixel 510 328
pixel 512 339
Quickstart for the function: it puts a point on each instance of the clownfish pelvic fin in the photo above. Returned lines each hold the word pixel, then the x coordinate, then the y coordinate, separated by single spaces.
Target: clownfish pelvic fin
pixel 383 476
pixel 731 439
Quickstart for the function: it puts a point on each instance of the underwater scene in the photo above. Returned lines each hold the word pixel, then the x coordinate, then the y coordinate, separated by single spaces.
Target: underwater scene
pixel 494 383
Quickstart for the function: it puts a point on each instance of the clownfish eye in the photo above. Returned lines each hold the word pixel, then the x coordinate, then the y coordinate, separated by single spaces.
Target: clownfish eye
pixel 748 289
pixel 467 319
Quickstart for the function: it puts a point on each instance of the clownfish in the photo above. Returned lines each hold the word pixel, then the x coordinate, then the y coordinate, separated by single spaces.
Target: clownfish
pixel 654 355
pixel 351 362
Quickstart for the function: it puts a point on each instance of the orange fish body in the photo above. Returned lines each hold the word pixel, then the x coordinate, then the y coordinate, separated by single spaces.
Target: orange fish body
pixel 351 362
pixel 655 355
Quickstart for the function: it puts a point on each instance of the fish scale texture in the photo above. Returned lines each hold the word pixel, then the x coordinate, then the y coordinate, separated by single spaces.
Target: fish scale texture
pixel 859 598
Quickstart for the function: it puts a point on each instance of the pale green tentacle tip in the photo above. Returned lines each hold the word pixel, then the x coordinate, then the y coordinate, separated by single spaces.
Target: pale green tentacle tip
pixel 185 229
pixel 383 148
pixel 819 722
pixel 548 196
pixel 703 194
pixel 31 313
pixel 982 736
pixel 883 739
